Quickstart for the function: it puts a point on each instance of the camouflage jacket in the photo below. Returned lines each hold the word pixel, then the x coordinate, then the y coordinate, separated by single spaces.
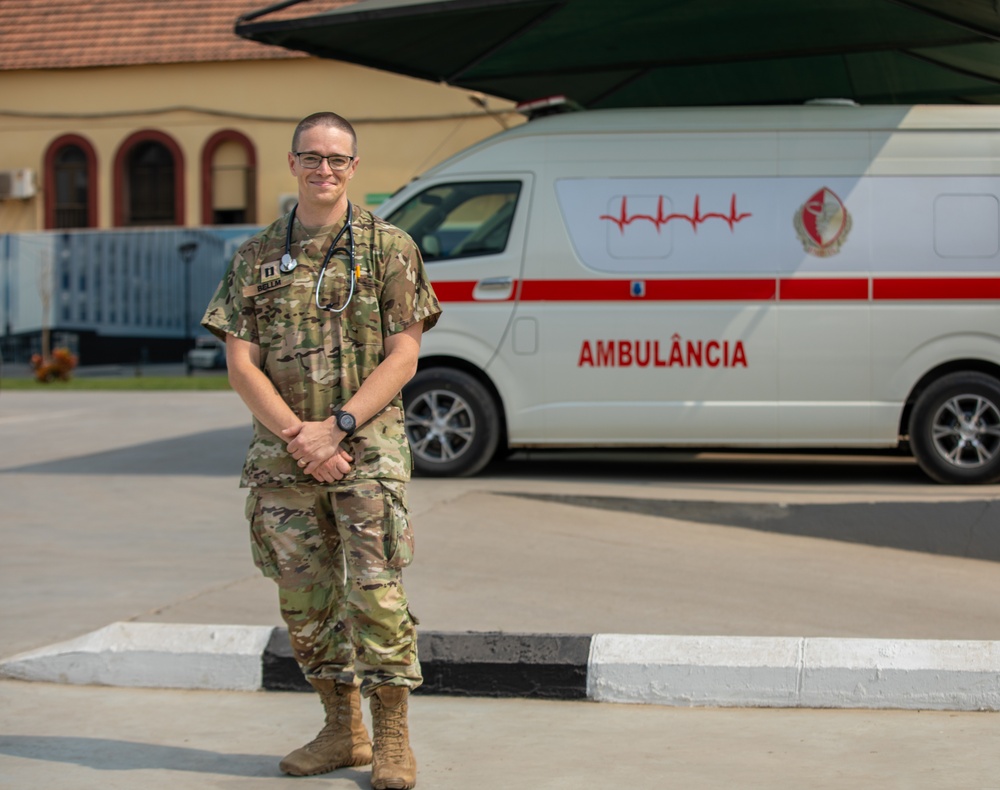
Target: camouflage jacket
pixel 317 359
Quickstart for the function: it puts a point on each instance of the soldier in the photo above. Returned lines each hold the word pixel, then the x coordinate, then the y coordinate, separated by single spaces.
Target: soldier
pixel 322 313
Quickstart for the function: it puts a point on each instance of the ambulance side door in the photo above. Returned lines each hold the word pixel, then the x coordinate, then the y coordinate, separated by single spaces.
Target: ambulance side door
pixel 654 321
pixel 470 230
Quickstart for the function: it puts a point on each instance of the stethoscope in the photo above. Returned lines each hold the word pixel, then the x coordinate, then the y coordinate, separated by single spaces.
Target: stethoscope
pixel 288 263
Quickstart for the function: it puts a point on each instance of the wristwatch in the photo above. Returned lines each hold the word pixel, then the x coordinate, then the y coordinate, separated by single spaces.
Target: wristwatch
pixel 345 421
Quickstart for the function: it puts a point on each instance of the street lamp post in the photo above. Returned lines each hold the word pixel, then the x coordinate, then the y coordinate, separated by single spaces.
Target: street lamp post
pixel 187 251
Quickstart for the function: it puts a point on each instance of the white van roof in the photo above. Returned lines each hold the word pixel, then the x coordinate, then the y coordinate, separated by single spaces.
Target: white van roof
pixel 811 117
pixel 818 117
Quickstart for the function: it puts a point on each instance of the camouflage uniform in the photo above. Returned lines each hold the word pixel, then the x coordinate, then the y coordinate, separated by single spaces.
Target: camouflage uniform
pixel 335 550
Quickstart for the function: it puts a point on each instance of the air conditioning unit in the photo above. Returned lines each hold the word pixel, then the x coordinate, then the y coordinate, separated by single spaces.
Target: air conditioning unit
pixel 17 184
pixel 285 203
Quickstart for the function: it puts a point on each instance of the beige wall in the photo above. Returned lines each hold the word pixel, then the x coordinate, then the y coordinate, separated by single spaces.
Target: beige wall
pixel 404 125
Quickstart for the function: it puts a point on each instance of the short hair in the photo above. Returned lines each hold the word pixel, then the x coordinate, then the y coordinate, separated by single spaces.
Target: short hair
pixel 330 119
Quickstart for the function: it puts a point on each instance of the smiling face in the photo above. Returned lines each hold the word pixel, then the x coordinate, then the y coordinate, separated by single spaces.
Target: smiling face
pixel 323 191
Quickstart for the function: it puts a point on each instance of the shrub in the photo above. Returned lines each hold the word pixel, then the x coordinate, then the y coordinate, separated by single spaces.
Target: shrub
pixel 56 368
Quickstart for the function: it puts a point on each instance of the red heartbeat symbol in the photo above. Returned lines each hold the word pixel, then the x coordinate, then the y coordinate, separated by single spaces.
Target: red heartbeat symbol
pixel 660 220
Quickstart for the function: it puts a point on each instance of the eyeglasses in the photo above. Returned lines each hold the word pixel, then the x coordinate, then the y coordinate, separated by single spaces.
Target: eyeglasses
pixel 336 161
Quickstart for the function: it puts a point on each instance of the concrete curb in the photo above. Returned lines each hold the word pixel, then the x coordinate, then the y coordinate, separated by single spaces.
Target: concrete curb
pixel 718 671
pixel 150 655
pixel 795 672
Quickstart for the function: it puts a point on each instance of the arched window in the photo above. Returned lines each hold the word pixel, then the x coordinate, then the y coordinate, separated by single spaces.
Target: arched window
pixel 70 183
pixel 228 179
pixel 149 181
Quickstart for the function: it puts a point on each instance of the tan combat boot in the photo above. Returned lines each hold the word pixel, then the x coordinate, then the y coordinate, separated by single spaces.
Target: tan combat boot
pixel 394 767
pixel 342 742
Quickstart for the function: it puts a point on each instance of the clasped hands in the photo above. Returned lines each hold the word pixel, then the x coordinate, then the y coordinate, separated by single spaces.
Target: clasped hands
pixel 316 448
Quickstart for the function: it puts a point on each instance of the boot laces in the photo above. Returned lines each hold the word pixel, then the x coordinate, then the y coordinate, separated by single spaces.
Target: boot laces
pixel 389 732
pixel 338 717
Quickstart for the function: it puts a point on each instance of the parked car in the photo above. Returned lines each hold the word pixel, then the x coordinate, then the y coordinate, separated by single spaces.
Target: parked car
pixel 209 353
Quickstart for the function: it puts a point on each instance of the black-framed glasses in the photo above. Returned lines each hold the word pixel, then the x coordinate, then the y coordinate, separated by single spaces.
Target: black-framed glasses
pixel 311 161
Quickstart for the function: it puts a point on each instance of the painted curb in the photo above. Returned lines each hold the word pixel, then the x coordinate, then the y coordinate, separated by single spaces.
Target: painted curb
pixel 795 672
pixel 177 656
pixel 484 664
pixel 718 671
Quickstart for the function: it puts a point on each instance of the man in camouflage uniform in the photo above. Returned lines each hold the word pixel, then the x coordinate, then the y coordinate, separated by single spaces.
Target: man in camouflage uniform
pixel 320 358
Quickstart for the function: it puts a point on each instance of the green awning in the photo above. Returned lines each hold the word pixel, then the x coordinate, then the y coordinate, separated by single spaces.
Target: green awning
pixel 664 52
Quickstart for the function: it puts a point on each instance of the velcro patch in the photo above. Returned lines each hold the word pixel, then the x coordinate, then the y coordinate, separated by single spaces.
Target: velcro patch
pixel 258 288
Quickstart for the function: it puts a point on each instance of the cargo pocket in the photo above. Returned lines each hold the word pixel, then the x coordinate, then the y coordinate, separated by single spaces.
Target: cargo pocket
pixel 398 535
pixel 260 547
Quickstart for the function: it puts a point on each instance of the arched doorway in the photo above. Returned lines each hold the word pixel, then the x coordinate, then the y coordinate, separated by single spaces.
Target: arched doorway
pixel 149 181
pixel 229 180
pixel 70 183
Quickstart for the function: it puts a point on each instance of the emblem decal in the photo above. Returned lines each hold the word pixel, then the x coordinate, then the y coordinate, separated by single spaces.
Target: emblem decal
pixel 822 224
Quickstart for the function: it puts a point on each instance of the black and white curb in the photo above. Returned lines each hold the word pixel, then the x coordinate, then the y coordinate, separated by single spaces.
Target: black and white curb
pixel 717 671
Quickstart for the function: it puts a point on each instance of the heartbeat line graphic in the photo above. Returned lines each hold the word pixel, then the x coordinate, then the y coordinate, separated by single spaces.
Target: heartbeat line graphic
pixel 623 219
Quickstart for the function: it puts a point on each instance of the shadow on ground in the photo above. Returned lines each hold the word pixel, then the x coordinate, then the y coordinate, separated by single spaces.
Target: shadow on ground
pixel 106 754
pixel 220 452
pixel 968 529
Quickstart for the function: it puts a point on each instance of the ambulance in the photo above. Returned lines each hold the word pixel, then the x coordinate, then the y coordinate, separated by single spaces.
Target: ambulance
pixel 819 276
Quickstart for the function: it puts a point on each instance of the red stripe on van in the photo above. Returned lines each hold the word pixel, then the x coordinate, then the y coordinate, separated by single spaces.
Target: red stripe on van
pixel 655 290
pixel 937 288
pixel 455 291
pixel 739 290
pixel 824 289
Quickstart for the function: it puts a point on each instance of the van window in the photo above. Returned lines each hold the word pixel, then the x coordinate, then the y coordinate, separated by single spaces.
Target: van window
pixel 459 220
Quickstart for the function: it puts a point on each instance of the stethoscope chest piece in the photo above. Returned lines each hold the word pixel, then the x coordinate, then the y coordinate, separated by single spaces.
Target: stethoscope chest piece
pixel 287 263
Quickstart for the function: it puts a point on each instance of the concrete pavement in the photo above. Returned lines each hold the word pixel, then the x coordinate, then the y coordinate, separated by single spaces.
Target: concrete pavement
pixel 91 738
pixel 124 507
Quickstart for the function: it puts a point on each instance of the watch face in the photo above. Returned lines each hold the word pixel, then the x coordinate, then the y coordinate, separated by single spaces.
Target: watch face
pixel 345 422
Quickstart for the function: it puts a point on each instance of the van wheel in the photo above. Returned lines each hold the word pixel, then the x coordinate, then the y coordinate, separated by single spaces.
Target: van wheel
pixel 955 429
pixel 451 423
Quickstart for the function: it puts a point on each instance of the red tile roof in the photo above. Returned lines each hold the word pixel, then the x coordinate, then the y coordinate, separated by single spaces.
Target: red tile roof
pixel 60 34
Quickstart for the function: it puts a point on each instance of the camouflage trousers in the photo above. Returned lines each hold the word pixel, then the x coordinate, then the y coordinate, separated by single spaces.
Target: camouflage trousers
pixel 337 554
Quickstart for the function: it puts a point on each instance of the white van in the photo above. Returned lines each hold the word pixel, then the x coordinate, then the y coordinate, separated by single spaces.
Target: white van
pixel 790 277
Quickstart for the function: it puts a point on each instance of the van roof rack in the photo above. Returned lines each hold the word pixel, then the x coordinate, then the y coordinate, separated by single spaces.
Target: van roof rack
pixel 831 102
pixel 550 105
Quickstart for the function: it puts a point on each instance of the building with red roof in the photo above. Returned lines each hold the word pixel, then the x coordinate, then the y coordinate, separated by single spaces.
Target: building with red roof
pixel 138 113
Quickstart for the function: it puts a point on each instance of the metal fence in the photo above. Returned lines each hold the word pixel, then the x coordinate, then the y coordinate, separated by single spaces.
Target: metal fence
pixel 145 285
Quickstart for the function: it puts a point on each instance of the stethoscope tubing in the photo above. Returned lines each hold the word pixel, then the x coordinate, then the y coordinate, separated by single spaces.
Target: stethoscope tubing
pixel 288 263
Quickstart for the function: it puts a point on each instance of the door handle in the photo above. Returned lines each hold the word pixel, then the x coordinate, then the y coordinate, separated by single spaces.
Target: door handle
pixel 494 289
pixel 495 283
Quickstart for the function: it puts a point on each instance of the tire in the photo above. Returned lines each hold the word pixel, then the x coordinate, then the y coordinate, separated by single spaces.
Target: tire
pixel 452 423
pixel 955 429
